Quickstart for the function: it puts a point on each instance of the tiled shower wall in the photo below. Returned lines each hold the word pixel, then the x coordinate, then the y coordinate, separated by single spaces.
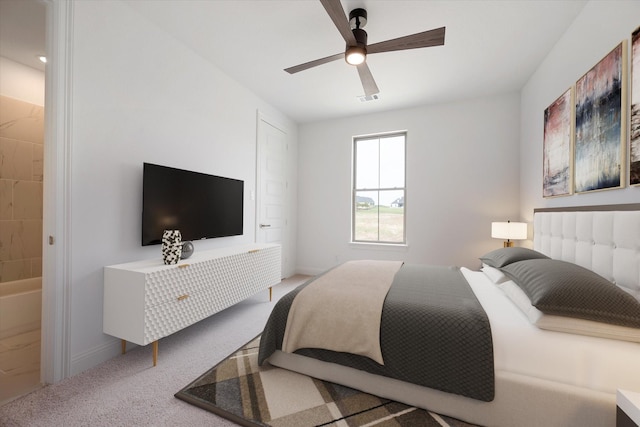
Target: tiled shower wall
pixel 21 173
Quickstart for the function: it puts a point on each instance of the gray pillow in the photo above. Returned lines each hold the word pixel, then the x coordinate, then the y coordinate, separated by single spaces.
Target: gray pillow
pixel 505 256
pixel 566 289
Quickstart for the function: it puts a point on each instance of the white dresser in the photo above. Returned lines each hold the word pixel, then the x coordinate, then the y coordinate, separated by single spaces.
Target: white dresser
pixel 147 300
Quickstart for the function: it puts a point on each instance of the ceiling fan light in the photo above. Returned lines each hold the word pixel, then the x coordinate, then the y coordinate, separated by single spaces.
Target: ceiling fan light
pixel 355 55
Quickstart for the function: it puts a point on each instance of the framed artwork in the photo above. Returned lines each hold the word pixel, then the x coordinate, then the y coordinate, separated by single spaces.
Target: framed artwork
pixel 557 147
pixel 634 150
pixel 600 124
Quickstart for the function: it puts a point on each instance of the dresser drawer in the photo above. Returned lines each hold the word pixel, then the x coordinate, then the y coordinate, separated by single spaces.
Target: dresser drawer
pixel 188 308
pixel 166 285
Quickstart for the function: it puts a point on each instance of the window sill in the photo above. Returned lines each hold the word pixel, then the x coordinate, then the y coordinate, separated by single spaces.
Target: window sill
pixel 400 247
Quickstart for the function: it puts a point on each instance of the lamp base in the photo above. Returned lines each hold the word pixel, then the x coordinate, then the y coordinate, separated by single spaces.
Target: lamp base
pixel 508 244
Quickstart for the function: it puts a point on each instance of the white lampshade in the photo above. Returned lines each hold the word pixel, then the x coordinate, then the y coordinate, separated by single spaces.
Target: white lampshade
pixel 509 230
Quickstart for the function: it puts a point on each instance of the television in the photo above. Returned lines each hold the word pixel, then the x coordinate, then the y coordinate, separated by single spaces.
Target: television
pixel 201 206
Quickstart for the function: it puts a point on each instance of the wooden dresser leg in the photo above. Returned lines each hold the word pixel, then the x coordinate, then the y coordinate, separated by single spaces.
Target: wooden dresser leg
pixel 154 345
pixel 270 293
pixel 123 344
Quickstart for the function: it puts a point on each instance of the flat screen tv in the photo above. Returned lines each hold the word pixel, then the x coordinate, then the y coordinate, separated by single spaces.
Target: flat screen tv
pixel 201 206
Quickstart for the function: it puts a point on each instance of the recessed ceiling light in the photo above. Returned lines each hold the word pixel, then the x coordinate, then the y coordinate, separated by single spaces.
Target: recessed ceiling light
pixel 42 59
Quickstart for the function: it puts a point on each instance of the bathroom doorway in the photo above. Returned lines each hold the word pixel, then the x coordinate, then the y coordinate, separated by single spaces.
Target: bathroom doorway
pixel 22 35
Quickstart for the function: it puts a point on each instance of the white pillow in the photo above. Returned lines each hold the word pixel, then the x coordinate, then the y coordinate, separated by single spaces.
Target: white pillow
pixel 494 274
pixel 569 325
pixel 521 300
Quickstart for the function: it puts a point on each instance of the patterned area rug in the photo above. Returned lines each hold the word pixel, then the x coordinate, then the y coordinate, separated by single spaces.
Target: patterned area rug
pixel 251 395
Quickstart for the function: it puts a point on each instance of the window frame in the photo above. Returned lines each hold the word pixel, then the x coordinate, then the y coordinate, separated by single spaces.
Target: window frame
pixel 354 190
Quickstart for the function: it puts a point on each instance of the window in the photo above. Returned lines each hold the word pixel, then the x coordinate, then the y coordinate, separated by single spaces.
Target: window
pixel 379 189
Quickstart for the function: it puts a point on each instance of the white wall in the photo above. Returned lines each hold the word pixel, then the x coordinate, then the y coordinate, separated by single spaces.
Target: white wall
pixel 21 82
pixel 462 173
pixel 600 27
pixel 138 95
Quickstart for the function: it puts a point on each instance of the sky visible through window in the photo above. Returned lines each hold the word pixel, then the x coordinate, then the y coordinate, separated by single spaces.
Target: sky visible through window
pixel 380 164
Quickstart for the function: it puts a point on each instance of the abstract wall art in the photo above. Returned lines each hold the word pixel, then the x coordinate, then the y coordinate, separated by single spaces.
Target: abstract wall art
pixel 600 124
pixel 558 146
pixel 634 151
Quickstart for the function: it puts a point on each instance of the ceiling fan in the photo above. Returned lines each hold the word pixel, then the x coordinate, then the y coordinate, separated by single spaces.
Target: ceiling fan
pixel 357 50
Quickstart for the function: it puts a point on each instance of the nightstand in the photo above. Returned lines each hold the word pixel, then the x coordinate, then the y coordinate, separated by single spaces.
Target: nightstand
pixel 628 408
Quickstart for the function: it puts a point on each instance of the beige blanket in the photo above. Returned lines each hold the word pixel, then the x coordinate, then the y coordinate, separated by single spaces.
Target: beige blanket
pixel 341 310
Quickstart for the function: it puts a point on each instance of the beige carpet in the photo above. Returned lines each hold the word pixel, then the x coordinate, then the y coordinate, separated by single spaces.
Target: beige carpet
pixel 128 391
pixel 251 395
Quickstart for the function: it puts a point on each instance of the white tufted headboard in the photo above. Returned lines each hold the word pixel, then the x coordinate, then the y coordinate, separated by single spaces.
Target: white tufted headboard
pixel 605 239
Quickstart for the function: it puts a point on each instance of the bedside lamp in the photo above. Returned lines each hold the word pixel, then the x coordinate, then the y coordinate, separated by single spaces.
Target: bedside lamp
pixel 510 231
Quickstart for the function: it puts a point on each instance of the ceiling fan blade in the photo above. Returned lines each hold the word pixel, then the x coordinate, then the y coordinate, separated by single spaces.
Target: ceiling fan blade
pixel 314 63
pixel 368 83
pixel 339 18
pixel 414 41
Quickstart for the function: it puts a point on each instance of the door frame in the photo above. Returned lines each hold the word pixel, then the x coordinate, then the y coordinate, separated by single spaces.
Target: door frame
pixel 262 120
pixel 56 228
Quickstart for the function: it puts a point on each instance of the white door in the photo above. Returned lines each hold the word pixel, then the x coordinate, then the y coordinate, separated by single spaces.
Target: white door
pixel 271 201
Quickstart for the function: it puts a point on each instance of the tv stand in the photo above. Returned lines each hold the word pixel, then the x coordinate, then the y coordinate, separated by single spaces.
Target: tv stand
pixel 148 300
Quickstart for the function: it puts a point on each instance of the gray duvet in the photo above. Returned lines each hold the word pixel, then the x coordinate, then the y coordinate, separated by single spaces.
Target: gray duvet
pixel 433 333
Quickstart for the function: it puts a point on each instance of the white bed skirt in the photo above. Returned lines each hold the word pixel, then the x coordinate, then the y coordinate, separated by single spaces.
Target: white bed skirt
pixel 519 400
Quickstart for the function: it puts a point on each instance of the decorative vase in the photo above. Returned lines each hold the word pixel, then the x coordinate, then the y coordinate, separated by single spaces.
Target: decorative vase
pixel 171 246
pixel 187 250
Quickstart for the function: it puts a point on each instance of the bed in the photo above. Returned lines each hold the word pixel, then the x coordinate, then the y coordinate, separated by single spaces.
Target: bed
pixel 550 368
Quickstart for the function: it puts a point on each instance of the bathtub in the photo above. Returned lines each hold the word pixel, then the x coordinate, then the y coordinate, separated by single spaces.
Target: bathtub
pixel 20 306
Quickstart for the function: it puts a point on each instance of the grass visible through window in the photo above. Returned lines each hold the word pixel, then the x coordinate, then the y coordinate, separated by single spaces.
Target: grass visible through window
pixel 390 226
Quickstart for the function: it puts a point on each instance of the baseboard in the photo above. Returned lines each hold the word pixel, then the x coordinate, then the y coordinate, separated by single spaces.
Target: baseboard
pixel 309 271
pixel 96 355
